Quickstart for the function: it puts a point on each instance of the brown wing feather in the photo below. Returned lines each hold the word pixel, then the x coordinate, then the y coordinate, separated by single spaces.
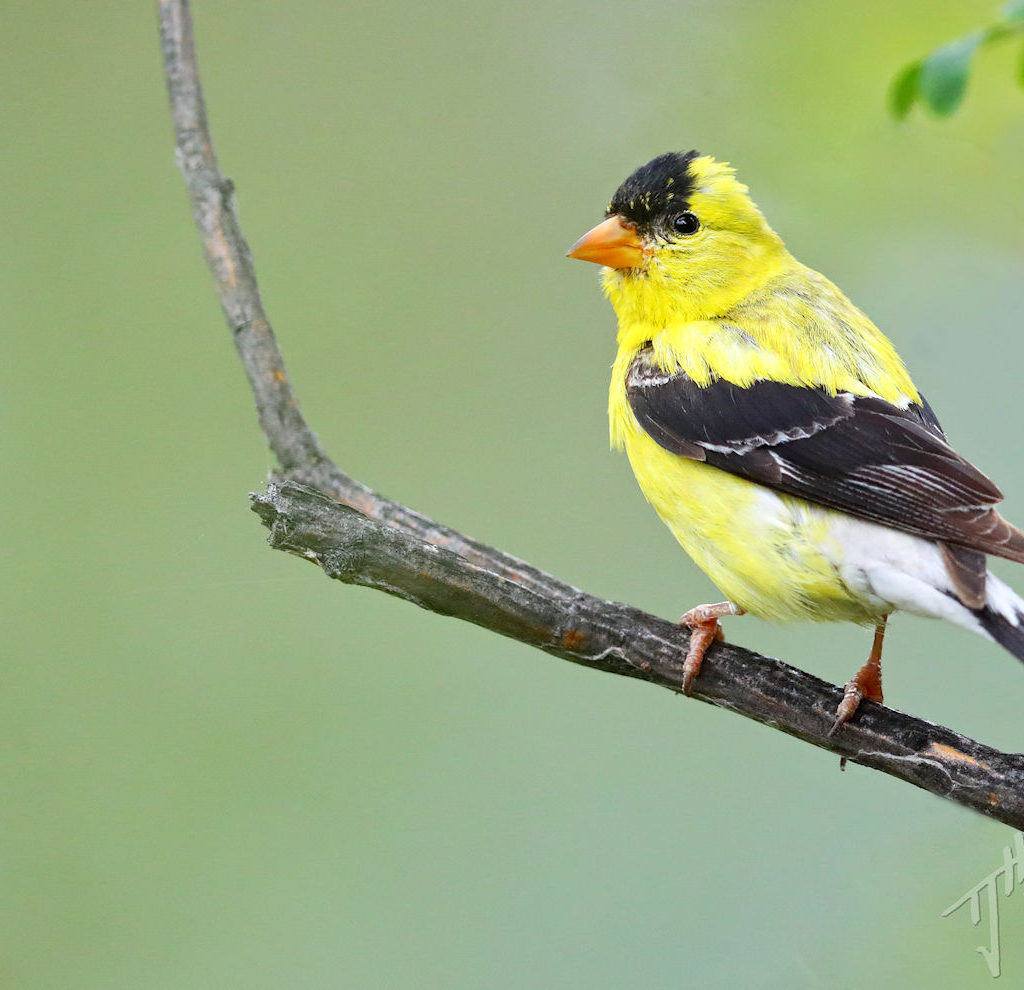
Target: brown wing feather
pixel 968 572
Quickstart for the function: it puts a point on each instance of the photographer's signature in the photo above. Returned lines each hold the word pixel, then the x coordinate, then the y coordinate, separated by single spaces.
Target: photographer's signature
pixel 1012 872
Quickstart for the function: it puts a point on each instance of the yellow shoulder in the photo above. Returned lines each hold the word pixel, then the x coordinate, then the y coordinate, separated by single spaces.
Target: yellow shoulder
pixel 797 328
pixel 822 338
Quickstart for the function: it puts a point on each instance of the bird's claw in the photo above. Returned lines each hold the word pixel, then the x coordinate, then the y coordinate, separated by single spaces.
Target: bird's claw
pixel 704 630
pixel 866 683
pixel 701 614
pixel 851 701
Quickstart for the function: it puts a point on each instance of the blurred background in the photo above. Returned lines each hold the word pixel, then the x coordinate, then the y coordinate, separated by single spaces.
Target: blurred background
pixel 218 769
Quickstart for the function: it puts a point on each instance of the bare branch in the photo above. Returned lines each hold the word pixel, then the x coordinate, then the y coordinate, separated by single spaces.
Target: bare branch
pixel 570 624
pixel 227 252
pixel 316 511
pixel 290 439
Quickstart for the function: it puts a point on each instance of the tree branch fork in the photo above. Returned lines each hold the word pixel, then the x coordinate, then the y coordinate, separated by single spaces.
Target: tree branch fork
pixel 314 510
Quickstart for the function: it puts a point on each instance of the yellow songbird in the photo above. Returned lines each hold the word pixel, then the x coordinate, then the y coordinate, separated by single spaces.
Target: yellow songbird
pixel 776 431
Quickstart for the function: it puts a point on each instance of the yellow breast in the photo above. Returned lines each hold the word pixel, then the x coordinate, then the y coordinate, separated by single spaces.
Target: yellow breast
pixel 771 554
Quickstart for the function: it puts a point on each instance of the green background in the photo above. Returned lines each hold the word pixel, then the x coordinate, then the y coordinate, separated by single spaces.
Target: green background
pixel 220 770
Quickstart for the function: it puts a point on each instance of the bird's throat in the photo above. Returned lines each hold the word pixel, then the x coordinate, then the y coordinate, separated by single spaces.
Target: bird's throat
pixel 648 301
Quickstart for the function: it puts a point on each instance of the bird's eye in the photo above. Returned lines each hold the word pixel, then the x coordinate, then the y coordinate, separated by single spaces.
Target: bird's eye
pixel 686 223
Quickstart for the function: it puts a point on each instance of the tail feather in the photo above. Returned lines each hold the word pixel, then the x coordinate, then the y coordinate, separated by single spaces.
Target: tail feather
pixel 1002 615
pixel 1007 633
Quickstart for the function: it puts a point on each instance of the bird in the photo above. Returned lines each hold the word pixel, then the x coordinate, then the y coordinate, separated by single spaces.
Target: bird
pixel 777 432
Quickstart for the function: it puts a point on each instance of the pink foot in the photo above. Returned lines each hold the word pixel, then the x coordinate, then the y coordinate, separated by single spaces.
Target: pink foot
pixel 705 629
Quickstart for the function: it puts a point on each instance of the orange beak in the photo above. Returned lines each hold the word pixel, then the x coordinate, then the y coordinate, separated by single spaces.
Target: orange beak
pixel 610 243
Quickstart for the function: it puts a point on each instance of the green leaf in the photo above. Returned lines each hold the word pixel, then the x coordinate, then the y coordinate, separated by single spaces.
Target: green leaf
pixel 1020 69
pixel 903 90
pixel 1014 11
pixel 944 73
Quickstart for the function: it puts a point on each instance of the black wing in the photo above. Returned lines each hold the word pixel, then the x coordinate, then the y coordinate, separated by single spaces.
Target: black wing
pixel 860 455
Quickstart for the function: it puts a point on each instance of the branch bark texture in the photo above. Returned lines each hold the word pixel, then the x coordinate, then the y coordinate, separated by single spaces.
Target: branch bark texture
pixel 314 510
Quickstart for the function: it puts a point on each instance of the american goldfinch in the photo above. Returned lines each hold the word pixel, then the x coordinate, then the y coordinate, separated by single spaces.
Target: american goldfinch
pixel 777 432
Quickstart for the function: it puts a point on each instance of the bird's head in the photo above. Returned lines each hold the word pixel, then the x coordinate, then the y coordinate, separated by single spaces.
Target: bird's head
pixel 681 241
